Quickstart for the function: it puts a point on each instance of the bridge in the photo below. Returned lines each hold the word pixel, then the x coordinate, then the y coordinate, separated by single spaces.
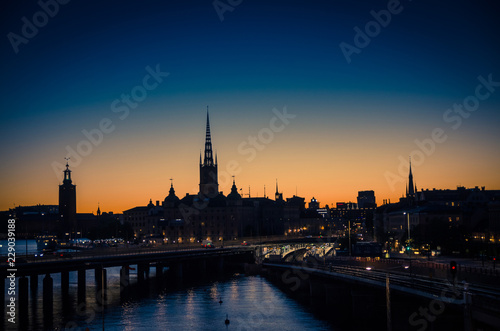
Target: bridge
pixel 170 262
pixel 290 251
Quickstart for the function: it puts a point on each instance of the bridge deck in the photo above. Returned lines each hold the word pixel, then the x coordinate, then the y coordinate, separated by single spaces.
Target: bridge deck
pixel 110 258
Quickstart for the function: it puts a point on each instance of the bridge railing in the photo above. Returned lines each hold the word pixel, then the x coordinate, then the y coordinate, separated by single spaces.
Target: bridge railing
pixel 116 251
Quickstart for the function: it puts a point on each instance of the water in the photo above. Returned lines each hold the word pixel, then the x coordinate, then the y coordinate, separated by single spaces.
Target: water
pixel 250 302
pixel 20 247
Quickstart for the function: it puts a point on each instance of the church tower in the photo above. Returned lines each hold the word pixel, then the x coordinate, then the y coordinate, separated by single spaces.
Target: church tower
pixel 411 189
pixel 67 203
pixel 209 185
pixel 278 196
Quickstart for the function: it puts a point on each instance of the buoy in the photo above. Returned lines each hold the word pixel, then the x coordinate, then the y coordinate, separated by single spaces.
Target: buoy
pixel 220 301
pixel 226 321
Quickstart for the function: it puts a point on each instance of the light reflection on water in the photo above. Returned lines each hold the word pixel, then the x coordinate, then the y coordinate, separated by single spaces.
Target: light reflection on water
pixel 257 305
pixel 251 303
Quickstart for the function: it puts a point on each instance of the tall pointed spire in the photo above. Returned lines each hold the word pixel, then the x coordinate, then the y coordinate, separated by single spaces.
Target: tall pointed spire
pixel 411 187
pixel 209 186
pixel 208 160
pixel 410 175
pixel 277 195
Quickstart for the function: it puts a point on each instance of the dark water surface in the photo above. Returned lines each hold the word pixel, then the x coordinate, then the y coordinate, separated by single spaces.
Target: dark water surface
pixel 250 303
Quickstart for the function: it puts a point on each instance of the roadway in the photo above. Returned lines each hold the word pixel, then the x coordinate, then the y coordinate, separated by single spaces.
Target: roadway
pixel 108 257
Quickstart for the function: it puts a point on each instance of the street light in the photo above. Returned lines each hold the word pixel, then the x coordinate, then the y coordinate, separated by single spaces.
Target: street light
pixel 408 218
pixel 483 251
pixel 349 222
pixel 409 239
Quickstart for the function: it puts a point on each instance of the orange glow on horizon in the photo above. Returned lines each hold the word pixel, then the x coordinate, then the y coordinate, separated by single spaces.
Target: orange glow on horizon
pixel 118 186
pixel 132 166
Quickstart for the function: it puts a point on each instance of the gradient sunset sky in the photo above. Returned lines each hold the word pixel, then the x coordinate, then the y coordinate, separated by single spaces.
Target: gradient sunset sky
pixel 355 123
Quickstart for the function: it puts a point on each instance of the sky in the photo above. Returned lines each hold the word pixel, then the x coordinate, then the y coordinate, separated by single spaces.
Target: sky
pixel 327 97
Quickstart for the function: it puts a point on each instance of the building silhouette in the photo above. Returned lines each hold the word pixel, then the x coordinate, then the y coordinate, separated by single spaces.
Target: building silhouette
pixel 67 204
pixel 410 189
pixel 314 204
pixel 468 211
pixel 366 199
pixel 209 184
pixel 33 220
pixel 209 214
pixel 359 215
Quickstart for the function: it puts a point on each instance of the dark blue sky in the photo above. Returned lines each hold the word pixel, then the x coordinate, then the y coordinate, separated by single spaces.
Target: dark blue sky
pixel 264 54
pixel 285 45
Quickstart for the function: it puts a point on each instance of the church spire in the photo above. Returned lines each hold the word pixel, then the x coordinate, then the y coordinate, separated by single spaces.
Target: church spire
pixel 209 186
pixel 208 160
pixel 278 196
pixel 411 187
